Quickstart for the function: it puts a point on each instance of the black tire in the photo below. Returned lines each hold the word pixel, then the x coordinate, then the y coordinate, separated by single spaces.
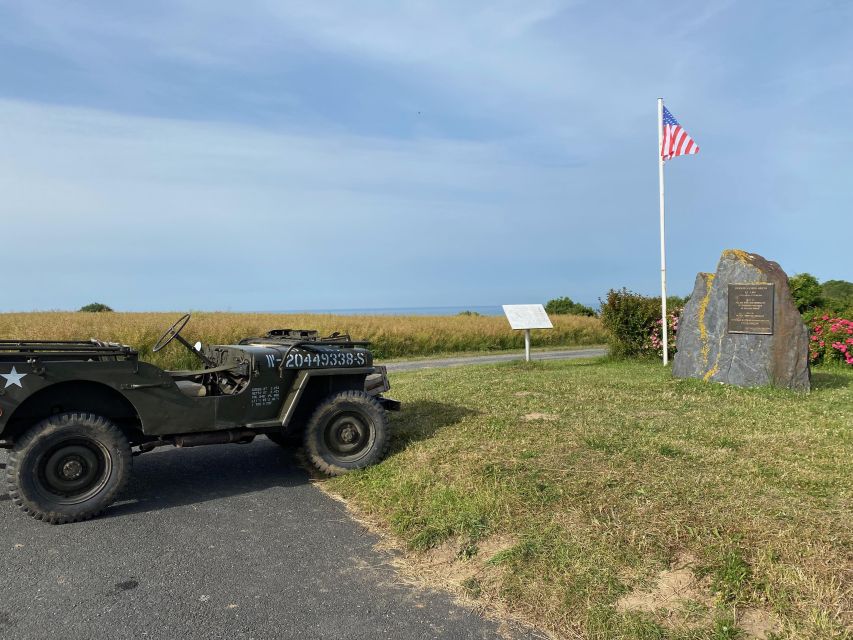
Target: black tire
pixel 347 431
pixel 68 467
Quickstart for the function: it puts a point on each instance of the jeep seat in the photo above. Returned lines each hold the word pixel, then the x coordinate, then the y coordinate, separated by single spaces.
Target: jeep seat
pixel 191 389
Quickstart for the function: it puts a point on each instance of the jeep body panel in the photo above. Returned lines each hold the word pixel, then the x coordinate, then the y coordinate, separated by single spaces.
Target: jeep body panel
pixel 265 380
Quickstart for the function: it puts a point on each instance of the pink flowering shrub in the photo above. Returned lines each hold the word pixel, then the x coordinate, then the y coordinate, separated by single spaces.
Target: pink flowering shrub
pixel 654 342
pixel 831 340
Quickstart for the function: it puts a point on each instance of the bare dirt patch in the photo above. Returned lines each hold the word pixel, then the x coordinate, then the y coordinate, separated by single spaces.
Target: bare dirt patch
pixel 759 624
pixel 453 563
pixel 548 417
pixel 677 594
pixel 681 600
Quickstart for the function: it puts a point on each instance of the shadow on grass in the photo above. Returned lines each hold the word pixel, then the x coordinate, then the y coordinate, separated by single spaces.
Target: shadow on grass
pixel 827 380
pixel 420 420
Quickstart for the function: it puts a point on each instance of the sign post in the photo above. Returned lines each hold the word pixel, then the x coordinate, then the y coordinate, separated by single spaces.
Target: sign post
pixel 527 317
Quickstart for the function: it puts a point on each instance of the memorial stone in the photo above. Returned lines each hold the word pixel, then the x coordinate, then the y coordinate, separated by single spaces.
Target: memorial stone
pixel 741 327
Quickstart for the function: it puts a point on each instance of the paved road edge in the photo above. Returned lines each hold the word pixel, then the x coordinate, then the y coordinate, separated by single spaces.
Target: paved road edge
pixel 414 365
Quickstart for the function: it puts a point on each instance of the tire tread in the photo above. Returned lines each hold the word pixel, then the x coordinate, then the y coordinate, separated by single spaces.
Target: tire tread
pixel 47 427
pixel 352 396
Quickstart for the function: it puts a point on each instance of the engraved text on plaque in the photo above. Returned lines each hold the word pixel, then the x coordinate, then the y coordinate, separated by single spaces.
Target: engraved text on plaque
pixel 751 308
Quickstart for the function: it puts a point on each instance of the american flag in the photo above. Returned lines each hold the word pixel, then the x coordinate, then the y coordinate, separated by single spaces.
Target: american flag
pixel 676 142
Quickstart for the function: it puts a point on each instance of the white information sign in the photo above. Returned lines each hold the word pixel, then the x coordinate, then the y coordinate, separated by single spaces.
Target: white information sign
pixel 527 316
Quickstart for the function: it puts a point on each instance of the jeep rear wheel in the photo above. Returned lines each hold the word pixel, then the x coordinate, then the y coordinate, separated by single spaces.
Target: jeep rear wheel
pixel 68 467
pixel 348 431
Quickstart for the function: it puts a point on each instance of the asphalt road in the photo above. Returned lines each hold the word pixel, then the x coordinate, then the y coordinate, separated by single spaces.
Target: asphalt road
pixel 228 541
pixel 412 365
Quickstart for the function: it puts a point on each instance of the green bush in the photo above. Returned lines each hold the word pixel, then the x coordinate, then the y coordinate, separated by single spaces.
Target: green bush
pixel 674 302
pixel 813 299
pixel 629 318
pixel 95 307
pixel 806 291
pixel 838 294
pixel 567 306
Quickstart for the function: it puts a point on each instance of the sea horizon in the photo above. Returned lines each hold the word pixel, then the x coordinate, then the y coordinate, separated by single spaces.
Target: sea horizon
pixel 450 310
pixel 443 310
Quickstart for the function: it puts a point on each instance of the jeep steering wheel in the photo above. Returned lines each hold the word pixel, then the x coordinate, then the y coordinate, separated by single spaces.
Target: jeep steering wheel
pixel 174 332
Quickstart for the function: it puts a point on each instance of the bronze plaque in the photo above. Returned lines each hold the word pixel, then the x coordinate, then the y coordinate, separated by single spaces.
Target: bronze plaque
pixel 751 308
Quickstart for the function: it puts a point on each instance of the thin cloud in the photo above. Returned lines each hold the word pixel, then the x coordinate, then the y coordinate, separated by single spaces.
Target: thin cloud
pixel 482 151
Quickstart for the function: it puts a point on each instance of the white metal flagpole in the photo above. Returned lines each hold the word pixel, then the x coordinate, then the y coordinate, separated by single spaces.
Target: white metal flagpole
pixel 664 327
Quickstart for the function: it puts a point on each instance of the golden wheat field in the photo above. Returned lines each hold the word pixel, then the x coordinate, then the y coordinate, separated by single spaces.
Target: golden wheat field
pixel 391 336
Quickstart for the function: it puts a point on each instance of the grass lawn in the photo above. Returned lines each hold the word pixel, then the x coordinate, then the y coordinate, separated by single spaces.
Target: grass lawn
pixel 604 499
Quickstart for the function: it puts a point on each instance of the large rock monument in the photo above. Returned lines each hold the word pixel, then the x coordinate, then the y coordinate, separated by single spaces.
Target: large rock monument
pixel 741 327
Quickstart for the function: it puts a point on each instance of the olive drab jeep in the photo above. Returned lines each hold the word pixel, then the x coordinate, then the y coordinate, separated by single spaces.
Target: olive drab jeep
pixel 73 414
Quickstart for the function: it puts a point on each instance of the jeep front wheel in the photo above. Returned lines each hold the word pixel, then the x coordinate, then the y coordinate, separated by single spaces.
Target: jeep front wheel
pixel 348 430
pixel 68 467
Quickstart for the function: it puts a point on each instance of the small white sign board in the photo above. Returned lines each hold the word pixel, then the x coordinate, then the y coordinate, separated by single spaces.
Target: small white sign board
pixel 527 316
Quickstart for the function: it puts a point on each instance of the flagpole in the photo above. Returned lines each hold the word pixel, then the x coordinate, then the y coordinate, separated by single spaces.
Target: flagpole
pixel 662 238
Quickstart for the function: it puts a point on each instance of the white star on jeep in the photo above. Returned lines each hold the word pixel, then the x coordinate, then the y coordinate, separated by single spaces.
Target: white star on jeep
pixel 13 377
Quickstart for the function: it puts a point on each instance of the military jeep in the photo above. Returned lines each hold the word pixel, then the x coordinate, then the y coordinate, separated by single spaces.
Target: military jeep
pixel 74 413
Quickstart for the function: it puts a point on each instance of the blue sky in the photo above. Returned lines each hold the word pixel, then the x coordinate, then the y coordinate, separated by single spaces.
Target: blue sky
pixel 268 155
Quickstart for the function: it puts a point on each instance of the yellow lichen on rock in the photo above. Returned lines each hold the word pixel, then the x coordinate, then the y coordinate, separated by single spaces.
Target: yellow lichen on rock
pixel 713 370
pixel 739 255
pixel 703 306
